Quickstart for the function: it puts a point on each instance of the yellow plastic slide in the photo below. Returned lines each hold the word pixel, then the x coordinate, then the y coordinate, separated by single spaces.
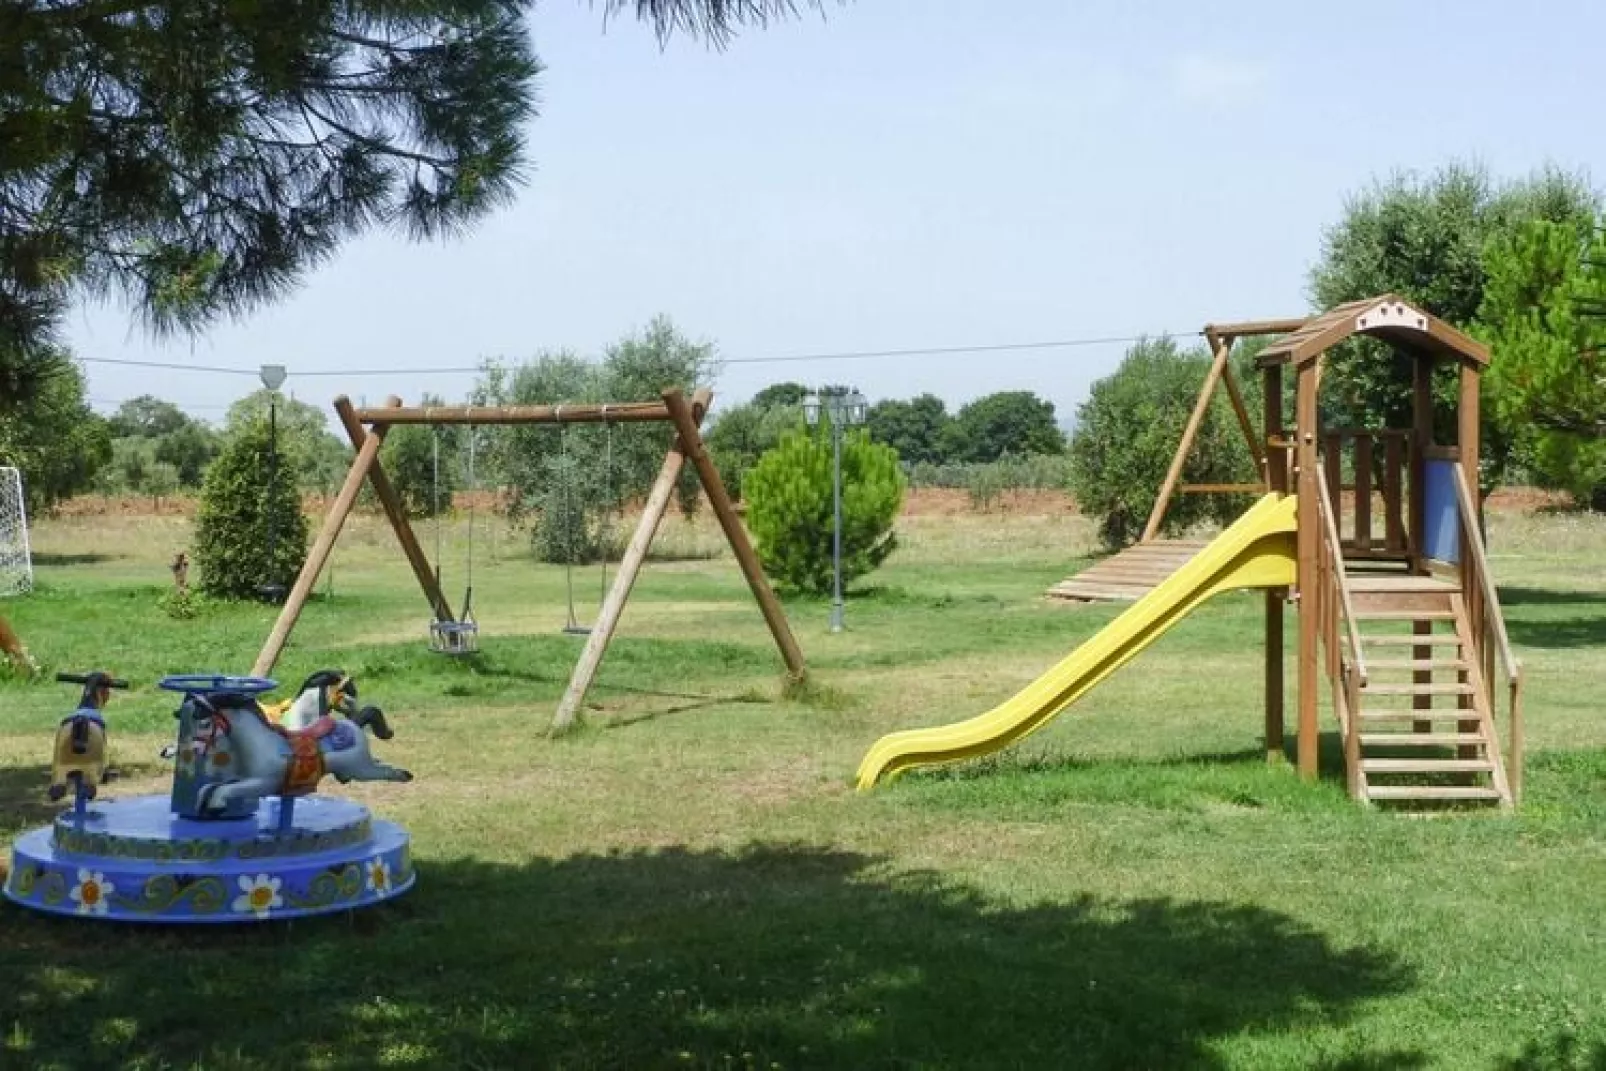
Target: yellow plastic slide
pixel 1257 551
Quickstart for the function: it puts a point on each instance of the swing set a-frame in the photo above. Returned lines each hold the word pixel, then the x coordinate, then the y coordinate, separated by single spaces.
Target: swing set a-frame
pixel 366 428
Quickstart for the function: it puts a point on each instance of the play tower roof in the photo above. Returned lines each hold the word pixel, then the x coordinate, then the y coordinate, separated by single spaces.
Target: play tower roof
pixel 1392 319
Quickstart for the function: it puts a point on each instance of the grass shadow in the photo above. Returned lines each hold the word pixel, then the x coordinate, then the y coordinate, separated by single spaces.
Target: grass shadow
pixel 22 796
pixel 777 955
pixel 1519 596
pixel 90 558
pixel 1567 632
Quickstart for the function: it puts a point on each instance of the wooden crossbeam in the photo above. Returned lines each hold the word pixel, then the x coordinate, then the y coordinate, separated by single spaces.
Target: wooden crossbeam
pixel 612 412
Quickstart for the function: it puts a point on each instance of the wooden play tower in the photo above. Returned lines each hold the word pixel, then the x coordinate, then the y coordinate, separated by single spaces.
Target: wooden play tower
pixel 1396 608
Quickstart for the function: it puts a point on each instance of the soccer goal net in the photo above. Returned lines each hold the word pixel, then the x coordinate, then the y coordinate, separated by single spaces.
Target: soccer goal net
pixel 16 562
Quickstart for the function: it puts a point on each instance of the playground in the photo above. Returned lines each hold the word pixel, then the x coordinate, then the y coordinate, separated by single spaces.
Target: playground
pixel 691 879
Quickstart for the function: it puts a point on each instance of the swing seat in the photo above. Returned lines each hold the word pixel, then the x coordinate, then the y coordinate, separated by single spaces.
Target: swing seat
pixel 454 637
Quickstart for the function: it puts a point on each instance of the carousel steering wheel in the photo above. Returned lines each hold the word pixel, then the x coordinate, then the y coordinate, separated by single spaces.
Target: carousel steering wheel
pixel 203 683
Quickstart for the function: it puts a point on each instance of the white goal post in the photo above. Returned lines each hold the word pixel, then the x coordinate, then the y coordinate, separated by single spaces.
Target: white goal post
pixel 16 560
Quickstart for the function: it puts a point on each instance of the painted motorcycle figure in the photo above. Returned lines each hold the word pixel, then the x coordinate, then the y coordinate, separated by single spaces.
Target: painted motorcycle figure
pixel 78 761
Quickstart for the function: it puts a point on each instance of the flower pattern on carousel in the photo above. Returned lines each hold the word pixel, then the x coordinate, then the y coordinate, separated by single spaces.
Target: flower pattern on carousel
pixel 259 895
pixel 91 892
pixel 378 876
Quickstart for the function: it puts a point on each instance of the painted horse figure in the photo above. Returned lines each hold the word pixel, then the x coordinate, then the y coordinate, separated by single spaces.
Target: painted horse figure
pixel 78 761
pixel 229 734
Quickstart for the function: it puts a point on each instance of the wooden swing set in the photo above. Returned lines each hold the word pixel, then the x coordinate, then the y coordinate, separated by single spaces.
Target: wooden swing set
pixel 367 427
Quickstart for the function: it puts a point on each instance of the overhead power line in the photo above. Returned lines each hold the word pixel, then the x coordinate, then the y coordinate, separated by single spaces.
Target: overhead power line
pixel 789 358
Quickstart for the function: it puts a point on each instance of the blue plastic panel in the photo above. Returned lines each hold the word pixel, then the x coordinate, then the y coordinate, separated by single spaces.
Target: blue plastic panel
pixel 1441 527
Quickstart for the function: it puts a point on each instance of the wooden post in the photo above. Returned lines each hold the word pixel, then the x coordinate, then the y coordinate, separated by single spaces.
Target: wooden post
pixel 746 557
pixel 319 554
pixel 1468 441
pixel 396 511
pixel 663 489
pixel 1393 508
pixel 1276 480
pixel 1309 541
pixel 1363 492
pixel 1180 458
pixel 1421 441
pixel 13 646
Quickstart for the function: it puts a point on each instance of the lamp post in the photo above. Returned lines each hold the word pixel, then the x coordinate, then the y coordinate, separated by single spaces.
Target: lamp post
pixel 841 409
pixel 272 376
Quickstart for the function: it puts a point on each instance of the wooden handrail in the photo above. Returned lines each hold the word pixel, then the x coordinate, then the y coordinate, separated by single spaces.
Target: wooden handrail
pixel 1480 565
pixel 1335 550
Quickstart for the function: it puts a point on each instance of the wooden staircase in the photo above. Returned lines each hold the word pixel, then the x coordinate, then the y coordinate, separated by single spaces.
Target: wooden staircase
pixel 1420 727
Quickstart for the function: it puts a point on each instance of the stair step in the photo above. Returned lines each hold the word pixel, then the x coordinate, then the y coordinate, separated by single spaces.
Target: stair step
pixel 1416 689
pixel 1377 766
pixel 1405 615
pixel 1432 639
pixel 1431 792
pixel 1398 585
pixel 1418 665
pixel 1403 714
pixel 1419 739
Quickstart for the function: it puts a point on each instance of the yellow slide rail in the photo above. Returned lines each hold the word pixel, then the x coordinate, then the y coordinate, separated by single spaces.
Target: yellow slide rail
pixel 1256 551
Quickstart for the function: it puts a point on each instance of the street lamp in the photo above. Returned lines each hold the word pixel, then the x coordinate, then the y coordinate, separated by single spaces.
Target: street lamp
pixel 841 409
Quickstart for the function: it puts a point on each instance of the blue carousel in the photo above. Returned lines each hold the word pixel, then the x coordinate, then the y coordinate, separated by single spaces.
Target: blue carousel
pixel 241 837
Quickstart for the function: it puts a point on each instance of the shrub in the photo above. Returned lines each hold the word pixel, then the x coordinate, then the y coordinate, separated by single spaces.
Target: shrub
pixel 790 512
pixel 1127 432
pixel 249 529
pixel 409 459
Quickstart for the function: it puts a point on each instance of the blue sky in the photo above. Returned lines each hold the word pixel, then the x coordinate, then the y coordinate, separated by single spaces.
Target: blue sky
pixel 911 173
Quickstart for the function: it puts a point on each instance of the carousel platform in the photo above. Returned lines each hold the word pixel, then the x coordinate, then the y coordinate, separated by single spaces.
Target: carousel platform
pixel 135 860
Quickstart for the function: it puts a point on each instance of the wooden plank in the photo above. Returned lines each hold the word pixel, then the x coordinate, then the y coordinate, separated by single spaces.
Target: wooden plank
pixel 1427 665
pixel 1421 440
pixel 1393 493
pixel 396 512
pixel 1427 765
pixel 318 555
pixel 1332 460
pixel 1417 717
pixel 1422 641
pixel 1180 458
pixel 1401 584
pixel 1419 739
pixel 1305 421
pixel 1432 792
pixel 613 606
pixel 1417 689
pixel 1274 676
pixel 714 488
pixel 1247 328
pixel 1363 492
pixel 1220 489
pixel 576 413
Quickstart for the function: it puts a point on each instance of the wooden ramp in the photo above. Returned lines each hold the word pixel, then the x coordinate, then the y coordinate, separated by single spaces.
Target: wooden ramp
pixel 1129 575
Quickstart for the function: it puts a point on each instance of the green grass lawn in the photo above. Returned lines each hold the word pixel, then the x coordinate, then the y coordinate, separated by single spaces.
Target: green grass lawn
pixel 690 881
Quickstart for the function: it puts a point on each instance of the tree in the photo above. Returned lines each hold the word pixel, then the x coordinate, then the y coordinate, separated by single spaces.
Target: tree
pixel 1127 433
pixel 250 533
pixel 780 394
pixel 189 449
pixel 1549 376
pixel 1424 239
pixel 200 158
pixel 146 417
pixel 53 437
pixel 1008 422
pixel 914 428
pixel 744 433
pixel 306 447
pixel 423 463
pixel 791 512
